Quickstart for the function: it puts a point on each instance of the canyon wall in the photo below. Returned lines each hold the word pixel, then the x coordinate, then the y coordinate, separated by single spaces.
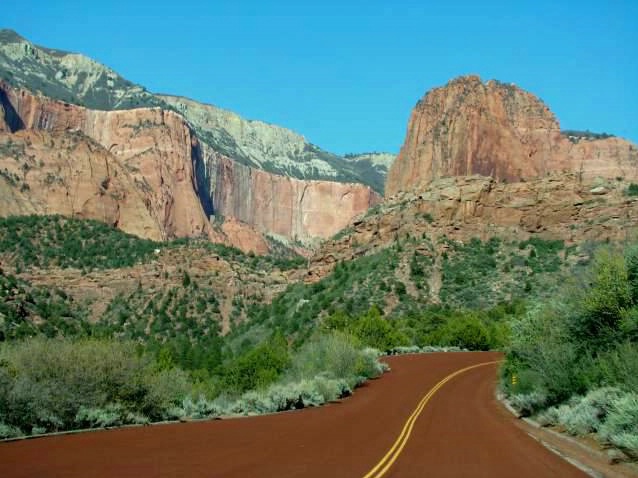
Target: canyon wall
pixel 494 129
pixel 295 209
pixel 151 176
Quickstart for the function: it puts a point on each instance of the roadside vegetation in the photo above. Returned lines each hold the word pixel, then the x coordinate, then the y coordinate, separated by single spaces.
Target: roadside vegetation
pixel 158 353
pixel 573 362
pixel 49 385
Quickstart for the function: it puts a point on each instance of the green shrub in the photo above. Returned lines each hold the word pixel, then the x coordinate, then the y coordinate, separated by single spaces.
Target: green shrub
pixel 259 367
pixel 9 431
pixel 618 366
pixel 632 190
pixel 334 355
pixel 55 384
pixel 376 332
pixel 604 303
pixel 621 426
pixel 541 344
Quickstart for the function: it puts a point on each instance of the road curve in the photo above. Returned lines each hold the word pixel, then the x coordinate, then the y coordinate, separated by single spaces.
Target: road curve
pixel 461 431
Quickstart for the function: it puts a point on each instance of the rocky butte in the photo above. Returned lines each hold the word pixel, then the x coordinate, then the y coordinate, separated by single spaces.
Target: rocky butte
pixel 494 129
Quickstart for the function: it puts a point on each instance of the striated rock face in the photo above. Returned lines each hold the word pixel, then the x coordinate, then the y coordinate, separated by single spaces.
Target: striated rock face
pixel 279 205
pixel 493 129
pixel 146 152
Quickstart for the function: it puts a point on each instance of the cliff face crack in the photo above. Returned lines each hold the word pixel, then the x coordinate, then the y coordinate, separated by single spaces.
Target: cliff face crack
pixel 11 117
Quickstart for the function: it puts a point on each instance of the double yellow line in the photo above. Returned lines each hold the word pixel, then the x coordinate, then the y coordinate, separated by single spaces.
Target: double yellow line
pixel 391 456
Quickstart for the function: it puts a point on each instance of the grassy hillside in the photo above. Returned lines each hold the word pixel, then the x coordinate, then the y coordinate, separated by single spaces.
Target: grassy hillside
pixel 411 278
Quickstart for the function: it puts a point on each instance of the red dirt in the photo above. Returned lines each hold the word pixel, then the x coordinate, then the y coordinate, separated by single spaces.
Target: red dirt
pixel 462 431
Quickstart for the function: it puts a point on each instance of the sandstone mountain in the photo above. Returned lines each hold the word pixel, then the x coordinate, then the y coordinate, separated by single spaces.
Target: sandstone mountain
pixel 177 162
pixel 494 129
pixel 484 160
pixel 77 79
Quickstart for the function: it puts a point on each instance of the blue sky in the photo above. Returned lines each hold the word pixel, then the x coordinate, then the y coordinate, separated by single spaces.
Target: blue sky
pixel 346 74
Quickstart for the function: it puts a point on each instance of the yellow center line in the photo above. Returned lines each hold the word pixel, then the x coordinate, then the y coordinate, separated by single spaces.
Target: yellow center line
pixel 391 456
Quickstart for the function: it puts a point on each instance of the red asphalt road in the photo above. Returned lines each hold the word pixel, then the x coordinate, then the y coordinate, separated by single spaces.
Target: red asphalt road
pixel 462 432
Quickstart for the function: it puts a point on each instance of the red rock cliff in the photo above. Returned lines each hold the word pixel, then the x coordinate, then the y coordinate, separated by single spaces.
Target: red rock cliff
pixel 152 149
pixel 164 178
pixel 288 207
pixel 493 129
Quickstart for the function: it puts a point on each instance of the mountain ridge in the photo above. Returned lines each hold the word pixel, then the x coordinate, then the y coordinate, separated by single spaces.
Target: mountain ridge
pixel 78 79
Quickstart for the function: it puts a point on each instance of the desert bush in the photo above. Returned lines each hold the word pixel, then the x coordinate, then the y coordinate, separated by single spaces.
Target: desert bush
pixel 583 415
pixel 609 412
pixel 110 415
pixel 621 426
pixel 527 404
pixel 196 408
pixel 334 355
pixel 291 395
pixel 56 384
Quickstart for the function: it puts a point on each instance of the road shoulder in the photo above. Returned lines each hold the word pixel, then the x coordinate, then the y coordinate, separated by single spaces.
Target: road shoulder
pixel 584 454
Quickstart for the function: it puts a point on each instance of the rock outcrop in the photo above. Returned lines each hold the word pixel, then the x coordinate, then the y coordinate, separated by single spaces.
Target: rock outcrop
pixel 559 206
pixel 69 174
pixel 494 129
